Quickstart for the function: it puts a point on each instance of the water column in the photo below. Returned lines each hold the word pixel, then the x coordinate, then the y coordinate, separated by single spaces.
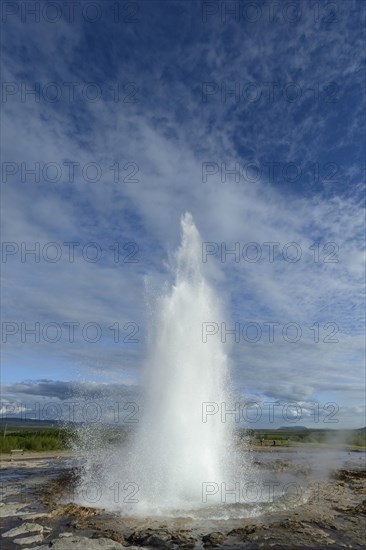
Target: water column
pixel 175 451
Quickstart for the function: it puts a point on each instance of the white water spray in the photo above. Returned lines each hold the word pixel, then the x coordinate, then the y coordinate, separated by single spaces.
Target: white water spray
pixel 176 452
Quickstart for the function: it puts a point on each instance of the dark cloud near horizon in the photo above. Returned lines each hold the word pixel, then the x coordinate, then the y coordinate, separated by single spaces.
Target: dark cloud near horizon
pixel 67 390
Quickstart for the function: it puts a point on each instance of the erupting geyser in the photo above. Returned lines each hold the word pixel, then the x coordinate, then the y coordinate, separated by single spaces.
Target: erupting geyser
pixel 175 451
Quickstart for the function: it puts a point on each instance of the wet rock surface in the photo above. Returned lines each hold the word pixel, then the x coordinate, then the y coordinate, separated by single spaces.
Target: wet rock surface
pixel 36 516
pixel 213 539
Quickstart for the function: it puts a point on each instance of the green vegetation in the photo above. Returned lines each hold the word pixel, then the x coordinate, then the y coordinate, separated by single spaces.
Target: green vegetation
pixel 45 436
pixel 46 439
pixel 349 439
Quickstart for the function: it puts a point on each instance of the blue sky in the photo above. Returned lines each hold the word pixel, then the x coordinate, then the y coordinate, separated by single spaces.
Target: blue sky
pixel 139 109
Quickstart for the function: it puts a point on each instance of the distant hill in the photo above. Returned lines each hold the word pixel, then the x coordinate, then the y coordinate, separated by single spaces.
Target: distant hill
pixel 30 423
pixel 292 428
pixel 19 420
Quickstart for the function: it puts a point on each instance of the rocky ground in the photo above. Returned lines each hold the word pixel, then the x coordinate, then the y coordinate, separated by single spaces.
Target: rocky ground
pixel 35 515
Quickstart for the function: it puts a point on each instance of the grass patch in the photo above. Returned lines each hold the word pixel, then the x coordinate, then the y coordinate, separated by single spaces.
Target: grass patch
pixel 31 440
pixel 346 439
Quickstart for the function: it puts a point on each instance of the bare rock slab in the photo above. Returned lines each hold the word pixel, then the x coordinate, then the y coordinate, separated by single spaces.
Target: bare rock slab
pixel 81 543
pixel 28 540
pixel 23 529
